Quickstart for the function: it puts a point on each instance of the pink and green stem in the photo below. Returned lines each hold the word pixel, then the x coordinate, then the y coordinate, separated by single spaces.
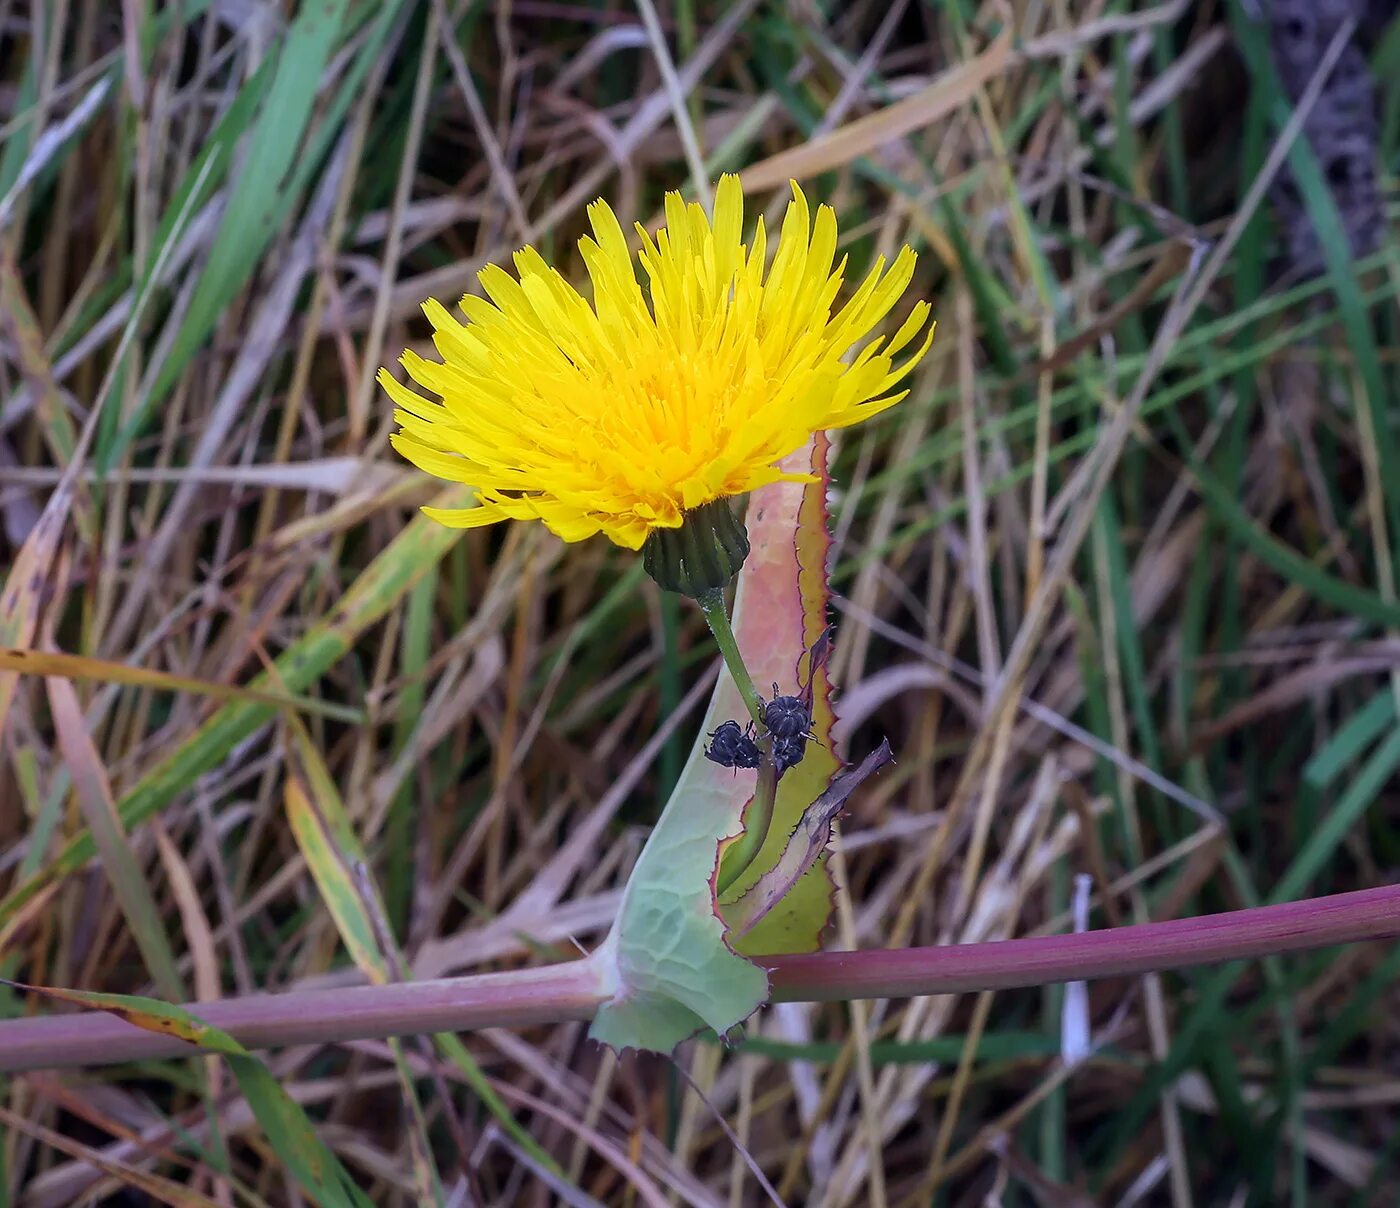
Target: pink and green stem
pixel 573 991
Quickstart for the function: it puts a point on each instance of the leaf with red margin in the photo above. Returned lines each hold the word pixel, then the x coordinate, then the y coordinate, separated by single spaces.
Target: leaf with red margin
pixel 804 847
pixel 781 613
pixel 672 969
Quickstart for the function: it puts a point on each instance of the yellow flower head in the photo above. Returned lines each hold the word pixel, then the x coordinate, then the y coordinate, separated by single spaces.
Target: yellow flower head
pixel 620 416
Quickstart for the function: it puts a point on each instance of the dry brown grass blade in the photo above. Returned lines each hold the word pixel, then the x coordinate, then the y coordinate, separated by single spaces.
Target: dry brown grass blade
pixel 1313 682
pixel 407 296
pixel 82 667
pixel 23 597
pixel 161 1190
pixel 199 941
pixel 28 576
pixel 639 1181
pixel 1164 269
pixel 952 89
pixel 23 328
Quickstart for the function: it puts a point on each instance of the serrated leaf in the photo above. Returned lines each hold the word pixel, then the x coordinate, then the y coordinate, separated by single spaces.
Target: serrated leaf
pixel 674 971
pixel 803 849
pixel 793 528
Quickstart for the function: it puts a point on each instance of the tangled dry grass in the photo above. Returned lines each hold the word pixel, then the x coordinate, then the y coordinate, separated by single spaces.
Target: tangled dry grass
pixel 217 221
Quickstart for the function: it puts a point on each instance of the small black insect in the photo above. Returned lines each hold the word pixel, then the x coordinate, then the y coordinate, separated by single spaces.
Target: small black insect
pixel 787 716
pixel 731 747
pixel 788 751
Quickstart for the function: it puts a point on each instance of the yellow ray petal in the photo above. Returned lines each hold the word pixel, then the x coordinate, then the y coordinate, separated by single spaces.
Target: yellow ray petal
pixel 463 518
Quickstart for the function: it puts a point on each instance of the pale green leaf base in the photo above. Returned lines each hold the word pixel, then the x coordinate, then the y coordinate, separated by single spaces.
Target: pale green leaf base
pixel 673 971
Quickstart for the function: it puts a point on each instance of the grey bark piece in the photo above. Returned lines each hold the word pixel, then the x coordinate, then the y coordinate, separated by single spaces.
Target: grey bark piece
pixel 1343 128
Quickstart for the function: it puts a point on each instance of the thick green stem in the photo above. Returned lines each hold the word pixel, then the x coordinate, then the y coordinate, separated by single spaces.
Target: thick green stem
pixel 717 616
pixel 740 854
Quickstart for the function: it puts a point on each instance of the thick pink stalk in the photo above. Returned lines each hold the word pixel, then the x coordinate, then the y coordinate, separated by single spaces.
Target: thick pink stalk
pixel 574 990
pixel 1344 918
pixel 550 994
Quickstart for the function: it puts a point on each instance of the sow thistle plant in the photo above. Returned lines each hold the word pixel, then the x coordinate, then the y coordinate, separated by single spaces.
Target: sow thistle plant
pixel 643 415
pixel 646 414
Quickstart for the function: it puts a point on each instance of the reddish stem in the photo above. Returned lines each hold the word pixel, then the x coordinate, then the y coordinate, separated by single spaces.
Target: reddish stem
pixel 550 994
pixel 574 990
pixel 1344 918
